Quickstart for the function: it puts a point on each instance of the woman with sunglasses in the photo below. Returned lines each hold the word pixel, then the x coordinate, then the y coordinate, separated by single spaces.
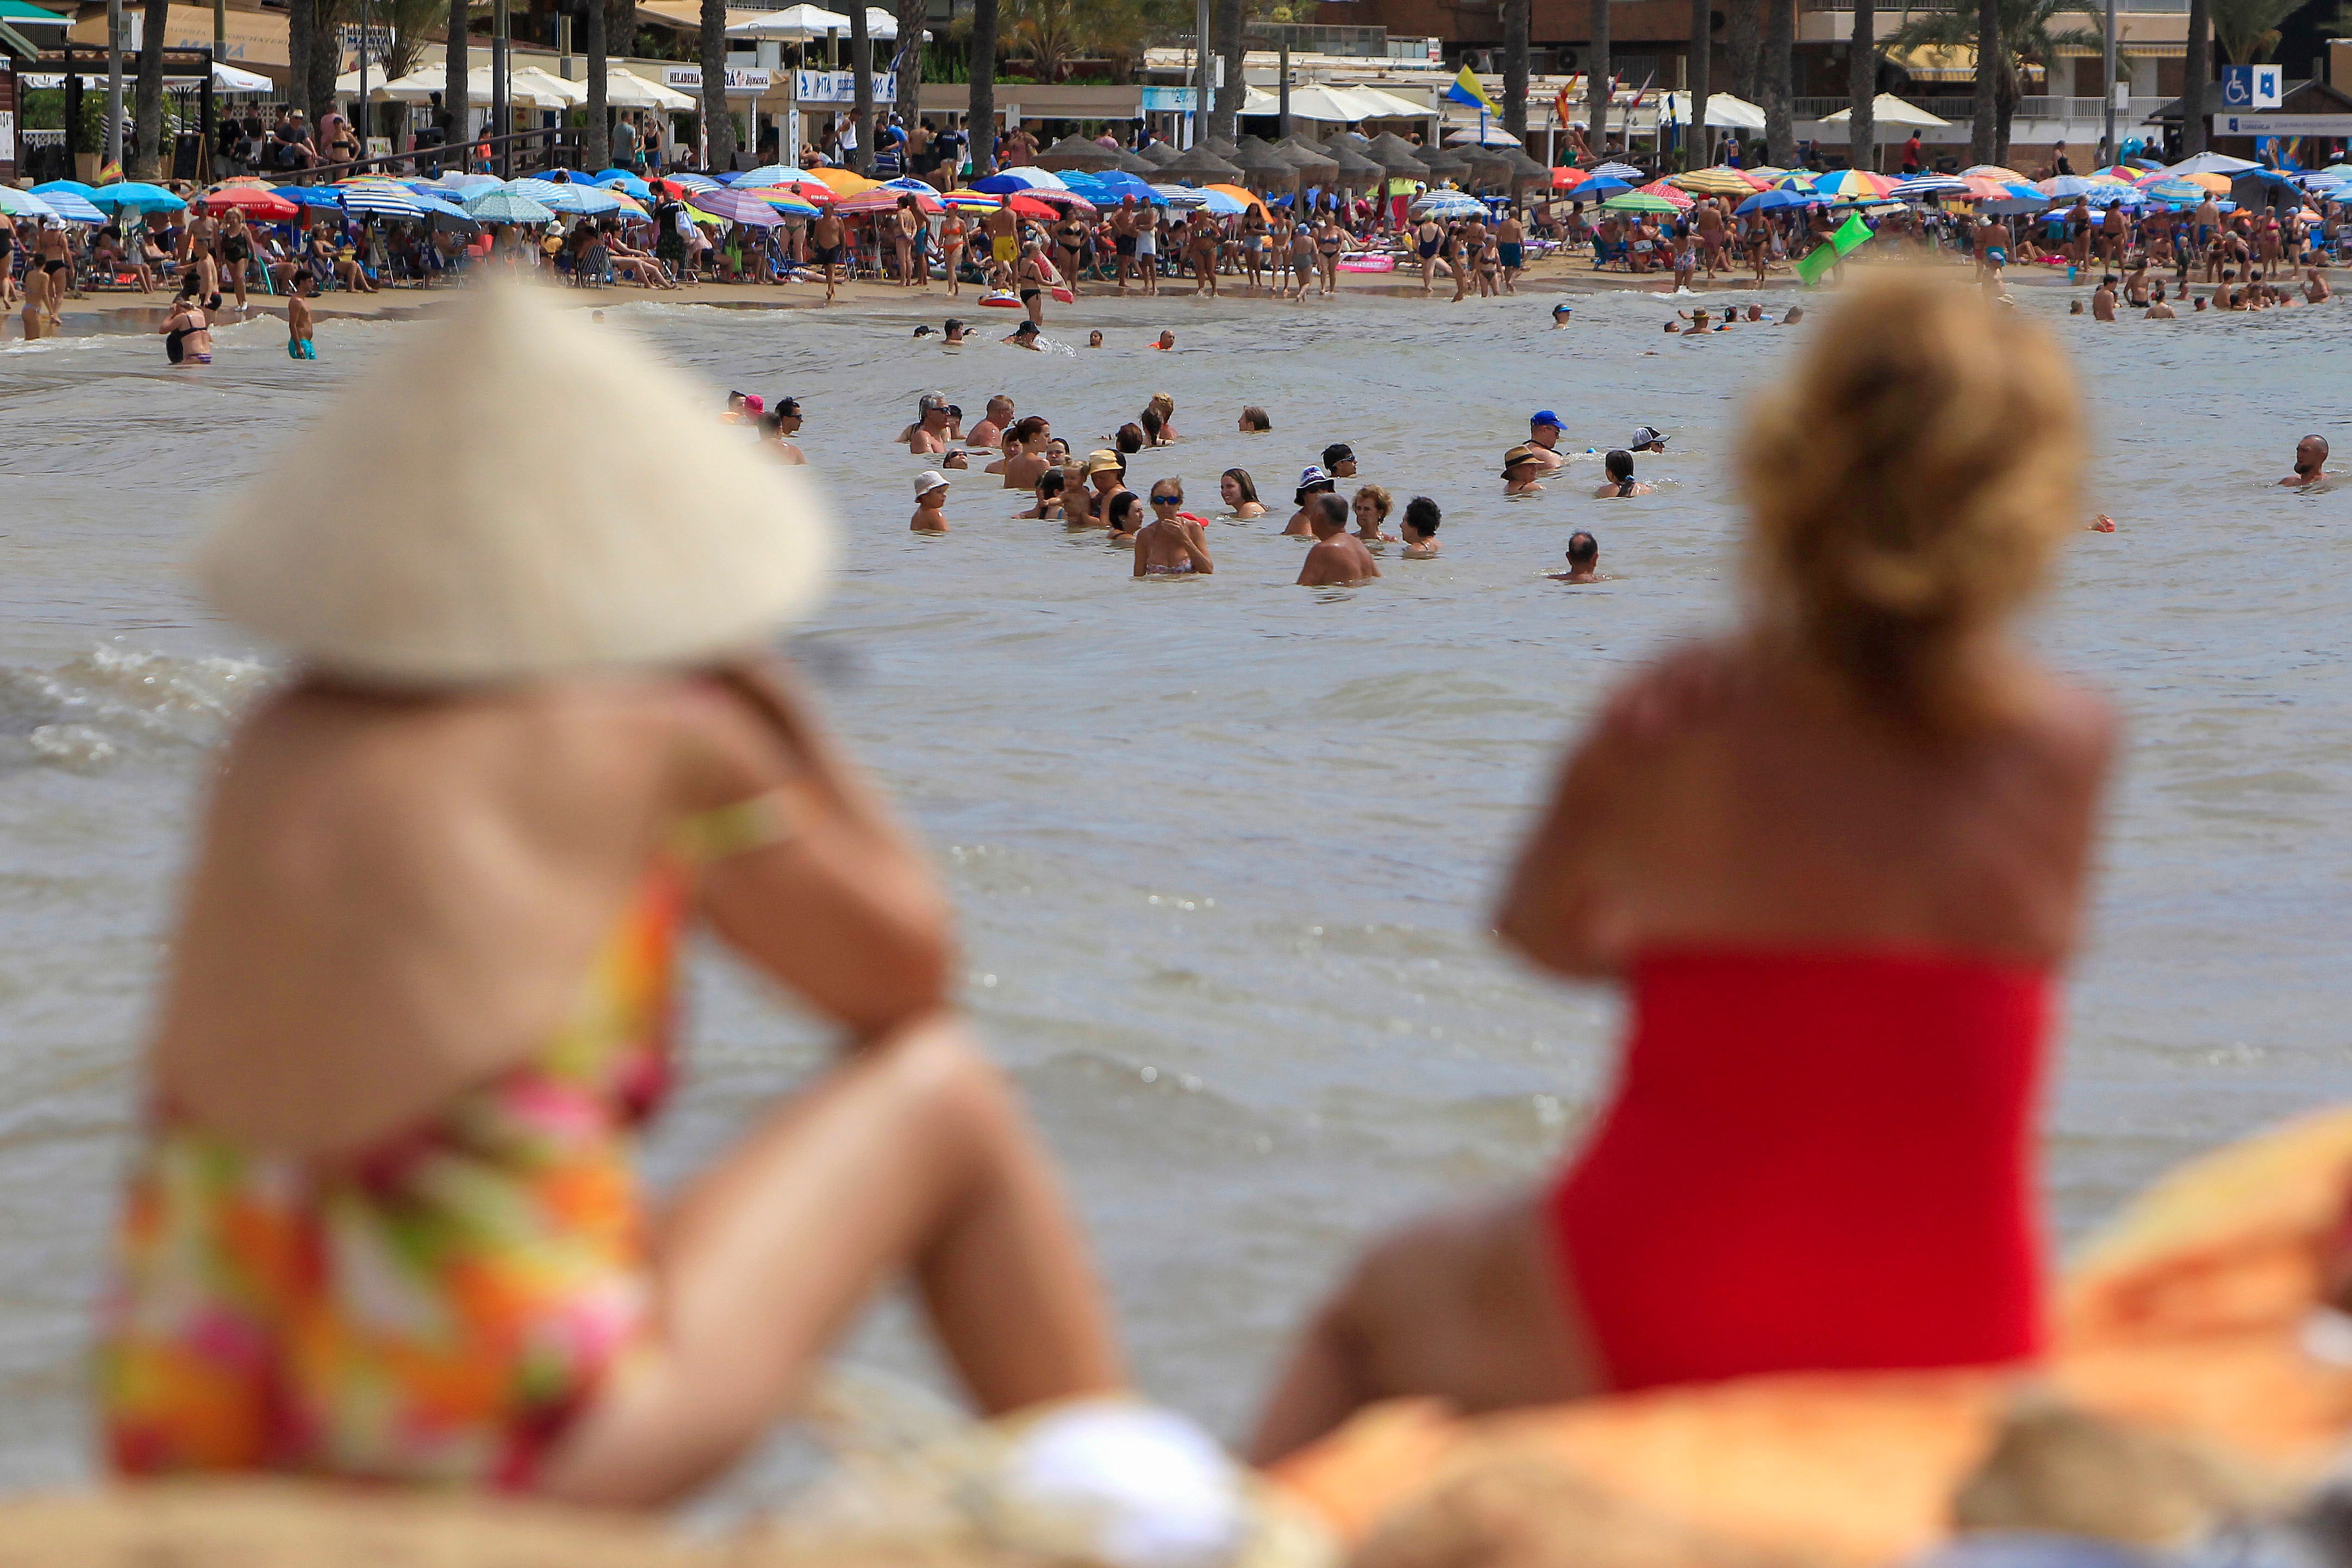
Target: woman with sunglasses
pixel 1172 543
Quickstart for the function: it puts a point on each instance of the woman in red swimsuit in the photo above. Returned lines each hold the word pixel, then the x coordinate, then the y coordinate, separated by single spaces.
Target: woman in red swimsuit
pixel 1837 858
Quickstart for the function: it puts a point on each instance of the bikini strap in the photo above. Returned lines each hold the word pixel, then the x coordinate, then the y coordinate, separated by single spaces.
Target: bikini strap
pixel 773 817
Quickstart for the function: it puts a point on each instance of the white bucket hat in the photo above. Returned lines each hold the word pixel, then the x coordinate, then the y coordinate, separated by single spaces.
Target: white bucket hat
pixel 472 510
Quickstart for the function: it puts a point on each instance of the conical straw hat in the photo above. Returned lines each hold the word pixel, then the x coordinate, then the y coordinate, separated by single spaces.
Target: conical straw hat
pixel 516 491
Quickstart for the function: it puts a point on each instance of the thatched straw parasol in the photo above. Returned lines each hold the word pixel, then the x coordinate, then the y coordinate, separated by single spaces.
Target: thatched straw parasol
pixel 1315 162
pixel 1203 165
pixel 1160 154
pixel 1444 163
pixel 1526 171
pixel 1223 146
pixel 1078 152
pixel 1355 169
pixel 1400 158
pixel 1264 165
pixel 1134 164
pixel 1355 139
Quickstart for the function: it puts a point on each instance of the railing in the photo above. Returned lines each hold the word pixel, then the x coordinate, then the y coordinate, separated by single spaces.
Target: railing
pixel 1942 108
pixel 521 151
pixel 2071 111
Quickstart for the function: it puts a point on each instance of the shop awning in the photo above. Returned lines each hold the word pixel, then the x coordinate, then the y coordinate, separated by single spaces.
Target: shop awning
pixel 254 38
pixel 1945 62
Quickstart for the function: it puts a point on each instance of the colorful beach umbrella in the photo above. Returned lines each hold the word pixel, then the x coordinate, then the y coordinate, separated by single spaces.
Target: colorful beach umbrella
pixel 502 205
pixel 1638 202
pixel 883 201
pixel 67 206
pixel 621 180
pixel 1613 170
pixel 736 206
pixel 1717 181
pixel 688 181
pixel 1994 172
pixel 1681 201
pixel 1004 181
pixel 970 201
pixel 258 201
pixel 1248 199
pixel 790 203
pixel 1852 185
pixel 843 181
pixel 1775 201
pixel 135 196
pixel 18 203
pixel 383 199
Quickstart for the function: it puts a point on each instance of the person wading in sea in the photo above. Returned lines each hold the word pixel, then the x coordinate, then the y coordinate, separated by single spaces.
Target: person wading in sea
pixel 1338 556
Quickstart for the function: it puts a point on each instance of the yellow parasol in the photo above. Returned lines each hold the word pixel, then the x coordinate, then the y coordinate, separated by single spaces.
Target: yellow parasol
pixel 844 181
pixel 1716 181
pixel 1246 198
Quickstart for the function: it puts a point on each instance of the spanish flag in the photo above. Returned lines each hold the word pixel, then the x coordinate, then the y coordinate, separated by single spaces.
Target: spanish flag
pixel 1466 89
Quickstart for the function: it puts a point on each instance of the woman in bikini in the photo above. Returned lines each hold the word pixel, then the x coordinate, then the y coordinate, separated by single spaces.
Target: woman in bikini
pixel 187 330
pixel 1837 858
pixel 384 1221
pixel 953 231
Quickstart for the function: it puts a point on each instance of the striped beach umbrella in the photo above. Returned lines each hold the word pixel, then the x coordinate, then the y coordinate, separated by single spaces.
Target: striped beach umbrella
pixel 736 206
pixel 692 182
pixel 579 201
pixel 502 205
pixel 69 206
pixel 1641 200
pixel 382 200
pixel 1613 170
pixel 1717 181
pixel 1994 172
pixel 1928 185
pixel 970 201
pixel 2172 190
pixel 18 203
pixel 1681 201
pixel 1852 185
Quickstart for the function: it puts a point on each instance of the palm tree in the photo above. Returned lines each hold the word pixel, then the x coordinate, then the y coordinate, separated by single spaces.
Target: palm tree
pixel 909 62
pixel 718 125
pixel 861 66
pixel 455 101
pixel 1861 87
pixel 147 102
pixel 1515 67
pixel 980 121
pixel 2023 30
pixel 2248 31
pixel 1743 39
pixel 1048 33
pixel 1225 18
pixel 1984 127
pixel 1779 71
pixel 1597 85
pixel 1698 154
pixel 596 144
pixel 2196 70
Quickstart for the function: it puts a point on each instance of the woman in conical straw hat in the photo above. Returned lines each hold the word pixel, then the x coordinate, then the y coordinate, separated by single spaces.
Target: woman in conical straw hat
pixel 384 1222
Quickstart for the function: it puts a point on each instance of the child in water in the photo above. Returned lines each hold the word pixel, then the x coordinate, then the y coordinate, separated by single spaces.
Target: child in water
pixel 930 503
pixel 298 344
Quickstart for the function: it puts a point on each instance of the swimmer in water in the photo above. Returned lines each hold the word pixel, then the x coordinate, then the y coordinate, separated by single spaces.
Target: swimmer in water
pixel 1172 544
pixel 923 332
pixel 990 431
pixel 930 503
pixel 1312 482
pixel 1163 405
pixel 1647 438
pixel 1165 340
pixel 1255 421
pixel 1420 528
pixel 2310 463
pixel 1796 314
pixel 1371 508
pixel 955 332
pixel 777 428
pixel 1094 339
pixel 929 434
pixel 1239 491
pixel 1561 314
pixel 1025 336
pixel 2158 310
pixel 1339 460
pixel 1338 556
pixel 1121 516
pixel 1620 483
pixel 1048 493
pixel 1584 559
pixel 1522 472
pixel 1543 440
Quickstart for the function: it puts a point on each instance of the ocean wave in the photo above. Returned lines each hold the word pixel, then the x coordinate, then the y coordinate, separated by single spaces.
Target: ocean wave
pixel 118 702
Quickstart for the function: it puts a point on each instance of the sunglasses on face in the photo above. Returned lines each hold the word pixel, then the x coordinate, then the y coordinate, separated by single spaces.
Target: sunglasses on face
pixel 1167 500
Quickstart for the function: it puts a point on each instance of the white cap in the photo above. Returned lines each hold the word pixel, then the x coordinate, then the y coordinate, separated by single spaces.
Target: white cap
pixel 929 480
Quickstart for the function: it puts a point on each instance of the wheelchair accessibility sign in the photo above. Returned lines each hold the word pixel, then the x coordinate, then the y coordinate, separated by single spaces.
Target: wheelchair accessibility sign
pixel 2251 86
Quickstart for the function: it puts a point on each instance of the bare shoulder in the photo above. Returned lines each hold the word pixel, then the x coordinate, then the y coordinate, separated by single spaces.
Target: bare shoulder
pixel 2067 729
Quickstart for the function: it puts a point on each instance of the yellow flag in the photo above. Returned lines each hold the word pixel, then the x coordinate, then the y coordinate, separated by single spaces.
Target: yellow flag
pixel 1467 89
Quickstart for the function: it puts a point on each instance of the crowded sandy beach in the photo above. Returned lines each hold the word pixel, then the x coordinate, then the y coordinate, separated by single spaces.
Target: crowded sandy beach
pixel 795 868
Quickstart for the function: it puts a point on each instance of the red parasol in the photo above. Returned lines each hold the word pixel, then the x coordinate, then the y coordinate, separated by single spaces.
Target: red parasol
pixel 258 201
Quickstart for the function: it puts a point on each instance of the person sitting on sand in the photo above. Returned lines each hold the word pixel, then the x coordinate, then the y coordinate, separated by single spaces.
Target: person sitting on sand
pixel 1584 559
pixel 1865 816
pixel 1523 472
pixel 1420 528
pixel 1619 465
pixel 1337 556
pixel 384 1221
pixel 1254 421
pixel 2310 463
pixel 1239 491
pixel 1173 543
pixel 1312 482
pixel 930 503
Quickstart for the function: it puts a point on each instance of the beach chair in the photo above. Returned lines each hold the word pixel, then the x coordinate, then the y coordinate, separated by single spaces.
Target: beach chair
pixel 1612 253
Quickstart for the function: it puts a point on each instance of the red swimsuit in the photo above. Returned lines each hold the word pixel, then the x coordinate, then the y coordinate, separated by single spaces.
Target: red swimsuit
pixel 1813 1161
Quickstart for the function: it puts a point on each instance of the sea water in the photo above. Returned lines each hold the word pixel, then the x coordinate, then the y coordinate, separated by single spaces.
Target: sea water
pixel 1225 849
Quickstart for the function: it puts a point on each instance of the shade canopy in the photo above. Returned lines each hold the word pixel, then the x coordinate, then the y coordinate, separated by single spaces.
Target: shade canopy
pixel 805 24
pixel 1076 152
pixel 627 89
pixel 1159 154
pixel 1314 160
pixel 1725 110
pixel 1397 155
pixel 1887 112
pixel 1201 166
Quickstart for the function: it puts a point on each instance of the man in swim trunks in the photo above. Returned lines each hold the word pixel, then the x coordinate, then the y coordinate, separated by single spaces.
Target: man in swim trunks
pixel 1003 231
pixel 1147 246
pixel 1543 441
pixel 2310 463
pixel 298 344
pixel 1171 544
pixel 1338 556
pixel 830 238
pixel 1510 245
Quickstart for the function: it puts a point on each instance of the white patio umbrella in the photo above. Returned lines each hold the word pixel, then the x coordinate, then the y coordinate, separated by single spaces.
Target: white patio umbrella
pixel 1726 111
pixel 1887 110
pixel 627 89
pixel 1494 136
pixel 795 25
pixel 551 90
pixel 420 86
pixel 1381 104
pixel 1322 101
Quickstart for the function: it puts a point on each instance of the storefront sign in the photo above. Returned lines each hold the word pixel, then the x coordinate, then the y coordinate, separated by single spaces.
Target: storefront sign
pixel 2283 125
pixel 743 81
pixel 1167 100
pixel 841 86
pixel 7 136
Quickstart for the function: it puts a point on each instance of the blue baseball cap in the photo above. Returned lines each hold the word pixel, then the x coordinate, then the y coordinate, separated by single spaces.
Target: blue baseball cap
pixel 1548 417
